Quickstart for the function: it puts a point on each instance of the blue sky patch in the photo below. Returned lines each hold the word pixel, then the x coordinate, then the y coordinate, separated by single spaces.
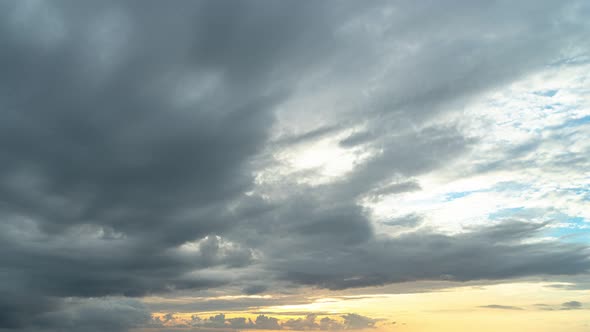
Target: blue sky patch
pixel 574 229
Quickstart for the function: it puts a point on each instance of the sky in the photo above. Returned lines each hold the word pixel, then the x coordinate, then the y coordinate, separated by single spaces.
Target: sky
pixel 263 165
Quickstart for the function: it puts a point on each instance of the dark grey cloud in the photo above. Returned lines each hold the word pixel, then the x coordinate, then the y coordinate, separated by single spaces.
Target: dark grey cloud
pixel 52 315
pixel 356 139
pixel 405 155
pixel 96 315
pixel 308 136
pixel 495 252
pixel 410 220
pixel 131 132
pixel 104 170
pixel 254 289
pixel 397 188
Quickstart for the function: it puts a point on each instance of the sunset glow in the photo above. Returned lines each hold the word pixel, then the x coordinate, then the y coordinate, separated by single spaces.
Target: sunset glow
pixel 285 165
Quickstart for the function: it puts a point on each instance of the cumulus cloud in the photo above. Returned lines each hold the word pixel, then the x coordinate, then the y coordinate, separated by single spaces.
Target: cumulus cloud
pixel 347 322
pixel 309 322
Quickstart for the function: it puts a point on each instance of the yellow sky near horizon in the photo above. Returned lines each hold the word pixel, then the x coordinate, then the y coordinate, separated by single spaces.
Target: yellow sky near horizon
pixel 508 307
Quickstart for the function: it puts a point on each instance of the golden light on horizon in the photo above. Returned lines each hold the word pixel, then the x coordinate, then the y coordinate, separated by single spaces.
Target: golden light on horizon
pixel 508 307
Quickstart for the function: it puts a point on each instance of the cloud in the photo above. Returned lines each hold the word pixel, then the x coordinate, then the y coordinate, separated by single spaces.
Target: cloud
pixel 140 150
pixel 356 321
pixel 571 305
pixel 306 323
pixel 254 289
pixel 112 314
pixel 501 307
pixel 410 220
pixel 348 322
pixel 263 322
pixel 97 315
pixel 435 256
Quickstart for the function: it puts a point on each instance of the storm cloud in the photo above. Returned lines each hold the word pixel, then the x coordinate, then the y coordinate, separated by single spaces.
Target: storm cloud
pixel 146 149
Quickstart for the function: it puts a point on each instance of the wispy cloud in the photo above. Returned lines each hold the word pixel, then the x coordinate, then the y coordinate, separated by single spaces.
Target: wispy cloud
pixel 501 307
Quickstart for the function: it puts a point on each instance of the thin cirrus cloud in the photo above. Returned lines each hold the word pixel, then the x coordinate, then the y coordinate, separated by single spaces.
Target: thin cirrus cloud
pixel 151 149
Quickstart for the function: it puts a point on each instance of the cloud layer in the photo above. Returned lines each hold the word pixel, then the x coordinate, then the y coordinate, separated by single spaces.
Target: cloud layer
pixel 254 146
pixel 309 322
